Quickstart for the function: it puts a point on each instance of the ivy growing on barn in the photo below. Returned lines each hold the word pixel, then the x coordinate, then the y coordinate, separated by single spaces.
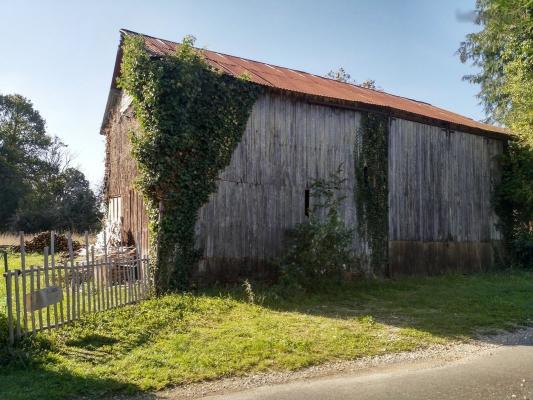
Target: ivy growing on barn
pixel 371 190
pixel 191 119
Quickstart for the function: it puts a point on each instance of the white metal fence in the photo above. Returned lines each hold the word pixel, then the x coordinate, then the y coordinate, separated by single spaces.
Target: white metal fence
pixel 66 287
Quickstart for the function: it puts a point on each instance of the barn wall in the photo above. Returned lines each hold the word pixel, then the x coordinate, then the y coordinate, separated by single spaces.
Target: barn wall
pixel 440 184
pixel 261 194
pixel 440 188
pixel 121 171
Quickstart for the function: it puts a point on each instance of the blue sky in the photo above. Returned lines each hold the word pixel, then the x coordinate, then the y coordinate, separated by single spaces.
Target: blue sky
pixel 60 54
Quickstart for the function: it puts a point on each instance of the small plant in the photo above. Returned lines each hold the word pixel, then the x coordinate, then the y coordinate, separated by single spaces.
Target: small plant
pixel 319 250
pixel 249 291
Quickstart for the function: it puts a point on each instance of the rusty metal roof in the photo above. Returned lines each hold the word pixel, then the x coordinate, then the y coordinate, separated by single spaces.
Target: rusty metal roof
pixel 305 83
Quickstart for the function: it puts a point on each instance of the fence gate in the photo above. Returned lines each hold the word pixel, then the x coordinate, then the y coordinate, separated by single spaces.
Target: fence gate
pixel 64 288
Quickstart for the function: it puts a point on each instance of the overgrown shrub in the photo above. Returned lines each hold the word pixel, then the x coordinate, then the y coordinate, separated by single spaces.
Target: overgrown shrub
pixel 514 203
pixel 319 250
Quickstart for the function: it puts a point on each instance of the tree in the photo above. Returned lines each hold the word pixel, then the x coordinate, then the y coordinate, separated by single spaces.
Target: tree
pixel 369 84
pixel 40 191
pixel 340 75
pixel 78 205
pixel 503 52
pixel 23 143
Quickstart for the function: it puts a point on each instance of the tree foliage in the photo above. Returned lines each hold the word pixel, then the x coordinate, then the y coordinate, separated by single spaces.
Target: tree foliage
pixel 503 52
pixel 39 190
pixel 192 118
pixel 342 76
pixel 23 143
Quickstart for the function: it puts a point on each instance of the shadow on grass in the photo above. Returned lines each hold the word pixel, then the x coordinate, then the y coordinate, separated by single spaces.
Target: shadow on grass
pixel 92 342
pixel 40 382
pixel 28 372
pixel 449 306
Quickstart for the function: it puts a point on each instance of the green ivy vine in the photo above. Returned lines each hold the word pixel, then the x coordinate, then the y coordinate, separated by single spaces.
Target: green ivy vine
pixel 191 119
pixel 371 190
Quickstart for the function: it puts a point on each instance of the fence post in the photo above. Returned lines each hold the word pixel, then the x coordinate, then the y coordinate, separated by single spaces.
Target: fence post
pixel 32 289
pixel 9 303
pixel 67 288
pixel 108 276
pixel 47 283
pixel 140 273
pixel 54 282
pixel 23 269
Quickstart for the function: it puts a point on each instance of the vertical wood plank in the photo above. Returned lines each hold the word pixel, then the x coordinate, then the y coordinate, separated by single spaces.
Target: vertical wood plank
pixel 54 281
pixel 72 278
pixel 47 284
pixel 67 280
pixel 32 290
pixel 94 271
pixel 79 288
pixel 23 269
pixel 9 297
pixel 98 280
pixel 40 312
pixel 88 271
pixel 108 275
pixel 17 304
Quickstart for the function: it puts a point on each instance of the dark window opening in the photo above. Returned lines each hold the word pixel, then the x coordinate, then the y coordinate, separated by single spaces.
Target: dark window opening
pixel 365 175
pixel 306 202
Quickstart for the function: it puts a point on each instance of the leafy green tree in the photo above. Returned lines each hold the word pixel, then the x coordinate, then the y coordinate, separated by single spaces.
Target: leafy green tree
pixel 39 189
pixel 23 143
pixel 503 52
pixel 78 204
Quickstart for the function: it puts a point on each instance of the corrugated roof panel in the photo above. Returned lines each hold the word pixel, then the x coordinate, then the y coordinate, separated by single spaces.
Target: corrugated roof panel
pixel 305 83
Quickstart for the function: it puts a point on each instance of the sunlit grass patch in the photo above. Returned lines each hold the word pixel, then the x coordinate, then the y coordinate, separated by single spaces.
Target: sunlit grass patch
pixel 182 338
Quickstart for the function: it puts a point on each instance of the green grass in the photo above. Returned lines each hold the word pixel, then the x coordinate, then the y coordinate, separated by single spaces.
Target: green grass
pixel 185 338
pixel 13 262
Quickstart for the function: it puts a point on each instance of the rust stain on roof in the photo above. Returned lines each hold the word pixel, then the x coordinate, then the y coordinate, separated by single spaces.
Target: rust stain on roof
pixel 306 83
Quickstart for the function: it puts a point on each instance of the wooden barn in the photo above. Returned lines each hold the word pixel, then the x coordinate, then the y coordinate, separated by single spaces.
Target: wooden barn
pixel 440 171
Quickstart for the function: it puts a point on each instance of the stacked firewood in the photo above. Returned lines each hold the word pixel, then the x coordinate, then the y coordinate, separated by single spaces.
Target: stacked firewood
pixel 42 240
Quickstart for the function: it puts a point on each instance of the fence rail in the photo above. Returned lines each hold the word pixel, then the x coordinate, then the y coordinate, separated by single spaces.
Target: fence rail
pixel 62 290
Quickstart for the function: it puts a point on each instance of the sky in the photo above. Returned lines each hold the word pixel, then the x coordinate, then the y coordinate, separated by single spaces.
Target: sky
pixel 60 54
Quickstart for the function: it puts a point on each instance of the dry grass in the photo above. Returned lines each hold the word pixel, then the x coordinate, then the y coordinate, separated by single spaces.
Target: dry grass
pixel 12 238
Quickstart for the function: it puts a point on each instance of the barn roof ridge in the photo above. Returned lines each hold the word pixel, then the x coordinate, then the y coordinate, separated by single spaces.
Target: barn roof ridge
pixel 279 77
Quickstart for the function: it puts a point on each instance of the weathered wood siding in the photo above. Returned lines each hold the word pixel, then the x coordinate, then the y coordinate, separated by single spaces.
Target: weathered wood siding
pixel 440 188
pixel 121 171
pixel 261 194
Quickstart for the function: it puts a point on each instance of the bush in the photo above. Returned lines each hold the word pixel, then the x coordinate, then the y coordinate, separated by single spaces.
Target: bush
pixel 514 203
pixel 521 248
pixel 319 250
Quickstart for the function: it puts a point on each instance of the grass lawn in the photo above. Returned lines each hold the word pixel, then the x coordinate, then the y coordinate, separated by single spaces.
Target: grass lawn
pixel 185 338
pixel 13 262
